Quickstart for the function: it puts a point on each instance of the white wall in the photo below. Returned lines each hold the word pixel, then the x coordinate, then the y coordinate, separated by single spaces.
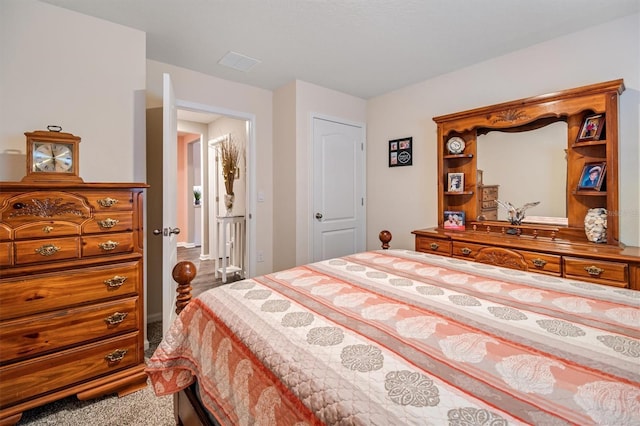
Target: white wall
pixel 85 74
pixel 284 176
pixel 405 198
pixel 201 89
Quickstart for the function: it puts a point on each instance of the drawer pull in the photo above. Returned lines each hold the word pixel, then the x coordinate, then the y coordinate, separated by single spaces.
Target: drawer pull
pixel 539 263
pixel 434 246
pixel 466 251
pixel 108 223
pixel 47 229
pixel 47 250
pixel 109 245
pixel 115 282
pixel 107 202
pixel 116 355
pixel 593 270
pixel 116 318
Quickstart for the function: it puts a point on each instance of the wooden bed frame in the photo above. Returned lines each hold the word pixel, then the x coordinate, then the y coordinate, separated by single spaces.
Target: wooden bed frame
pixel 187 409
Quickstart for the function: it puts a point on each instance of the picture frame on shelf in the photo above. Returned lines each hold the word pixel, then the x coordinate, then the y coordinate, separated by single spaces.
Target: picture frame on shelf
pixel 591 128
pixel 455 182
pixel 401 152
pixel 454 219
pixel 592 176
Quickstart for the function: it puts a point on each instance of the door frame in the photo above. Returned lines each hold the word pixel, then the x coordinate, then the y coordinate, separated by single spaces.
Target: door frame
pixel 310 171
pixel 250 153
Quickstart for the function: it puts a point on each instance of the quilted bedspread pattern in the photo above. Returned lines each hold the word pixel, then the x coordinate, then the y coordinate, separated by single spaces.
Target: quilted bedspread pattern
pixel 397 337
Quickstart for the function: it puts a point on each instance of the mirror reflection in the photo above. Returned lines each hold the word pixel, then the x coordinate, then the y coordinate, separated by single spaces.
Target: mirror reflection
pixel 528 166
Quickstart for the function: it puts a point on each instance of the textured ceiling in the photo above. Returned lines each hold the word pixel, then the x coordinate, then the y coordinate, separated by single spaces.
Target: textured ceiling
pixel 361 47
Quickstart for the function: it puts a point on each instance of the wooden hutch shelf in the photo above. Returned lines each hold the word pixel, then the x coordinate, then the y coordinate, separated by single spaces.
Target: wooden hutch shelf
pixel 557 250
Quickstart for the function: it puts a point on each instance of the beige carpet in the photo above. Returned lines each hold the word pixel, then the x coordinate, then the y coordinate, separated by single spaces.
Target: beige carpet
pixel 140 408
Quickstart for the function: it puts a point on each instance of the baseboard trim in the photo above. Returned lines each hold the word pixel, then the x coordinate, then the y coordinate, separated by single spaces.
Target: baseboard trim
pixel 187 245
pixel 154 317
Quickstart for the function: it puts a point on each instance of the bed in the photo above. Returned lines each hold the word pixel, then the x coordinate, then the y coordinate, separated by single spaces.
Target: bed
pixel 397 337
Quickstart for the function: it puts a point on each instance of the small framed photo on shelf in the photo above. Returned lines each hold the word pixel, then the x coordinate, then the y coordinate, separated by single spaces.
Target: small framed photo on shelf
pixel 455 182
pixel 592 176
pixel 591 129
pixel 454 220
pixel 400 152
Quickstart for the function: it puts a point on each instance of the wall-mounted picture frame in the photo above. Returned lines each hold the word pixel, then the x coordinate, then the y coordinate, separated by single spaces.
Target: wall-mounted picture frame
pixel 592 176
pixel 455 182
pixel 454 220
pixel 401 152
pixel 591 128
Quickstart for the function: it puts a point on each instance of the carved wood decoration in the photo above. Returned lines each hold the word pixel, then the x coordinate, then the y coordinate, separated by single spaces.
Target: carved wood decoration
pixel 510 116
pixel 46 208
pixel 502 257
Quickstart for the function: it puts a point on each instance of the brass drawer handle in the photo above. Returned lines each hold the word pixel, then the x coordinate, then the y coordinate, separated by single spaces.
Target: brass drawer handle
pixel 116 318
pixel 109 245
pixel 115 282
pixel 107 202
pixel 116 355
pixel 108 223
pixel 47 250
pixel 434 246
pixel 539 263
pixel 466 251
pixel 593 270
pixel 47 229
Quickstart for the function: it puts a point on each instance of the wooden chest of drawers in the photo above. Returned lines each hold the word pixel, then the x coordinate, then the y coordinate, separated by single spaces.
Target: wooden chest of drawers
pixel 71 292
pixel 608 265
pixel 487 206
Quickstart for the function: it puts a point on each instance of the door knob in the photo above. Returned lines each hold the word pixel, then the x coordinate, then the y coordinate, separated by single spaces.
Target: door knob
pixel 318 216
pixel 166 231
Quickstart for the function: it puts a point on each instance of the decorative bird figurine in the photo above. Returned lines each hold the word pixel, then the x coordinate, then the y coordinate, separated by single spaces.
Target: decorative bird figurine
pixel 515 215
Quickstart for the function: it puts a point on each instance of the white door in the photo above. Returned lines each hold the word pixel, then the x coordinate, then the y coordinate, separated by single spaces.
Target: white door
pixel 169 201
pixel 338 189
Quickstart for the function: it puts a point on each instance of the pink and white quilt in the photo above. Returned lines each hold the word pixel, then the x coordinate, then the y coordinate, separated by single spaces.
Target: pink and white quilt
pixel 397 337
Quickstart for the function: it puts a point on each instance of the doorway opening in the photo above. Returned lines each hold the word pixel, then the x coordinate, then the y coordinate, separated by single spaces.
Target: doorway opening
pixel 220 232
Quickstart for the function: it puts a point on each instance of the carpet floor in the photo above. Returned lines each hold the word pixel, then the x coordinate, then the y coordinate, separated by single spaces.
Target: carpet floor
pixel 141 408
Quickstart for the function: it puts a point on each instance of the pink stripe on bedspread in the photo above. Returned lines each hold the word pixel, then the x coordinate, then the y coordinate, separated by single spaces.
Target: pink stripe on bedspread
pixel 399 337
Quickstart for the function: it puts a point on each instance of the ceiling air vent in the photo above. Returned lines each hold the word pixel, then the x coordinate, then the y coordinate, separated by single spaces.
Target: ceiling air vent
pixel 238 61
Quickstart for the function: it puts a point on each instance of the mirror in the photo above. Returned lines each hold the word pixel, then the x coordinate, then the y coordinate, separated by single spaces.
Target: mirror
pixel 529 166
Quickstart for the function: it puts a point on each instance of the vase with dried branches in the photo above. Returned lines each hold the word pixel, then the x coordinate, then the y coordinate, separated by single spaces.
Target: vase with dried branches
pixel 229 154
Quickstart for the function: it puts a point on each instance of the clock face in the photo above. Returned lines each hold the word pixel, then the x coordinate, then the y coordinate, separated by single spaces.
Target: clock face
pixel 51 157
pixel 455 145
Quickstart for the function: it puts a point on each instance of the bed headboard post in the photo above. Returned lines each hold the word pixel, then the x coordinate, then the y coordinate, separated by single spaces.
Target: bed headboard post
pixel 385 237
pixel 183 273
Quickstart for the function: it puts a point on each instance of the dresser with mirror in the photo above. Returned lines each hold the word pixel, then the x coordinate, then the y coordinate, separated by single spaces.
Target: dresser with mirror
pixel 538 151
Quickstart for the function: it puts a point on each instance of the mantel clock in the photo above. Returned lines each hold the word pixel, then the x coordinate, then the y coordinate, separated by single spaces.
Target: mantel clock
pixel 52 156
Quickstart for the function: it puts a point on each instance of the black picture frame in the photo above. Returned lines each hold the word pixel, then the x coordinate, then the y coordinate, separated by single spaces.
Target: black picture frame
pixel 401 152
pixel 592 127
pixel 592 176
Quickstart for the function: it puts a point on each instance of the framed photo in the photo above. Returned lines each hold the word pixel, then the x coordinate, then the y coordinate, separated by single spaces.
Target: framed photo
pixel 455 182
pixel 591 128
pixel 400 152
pixel 454 220
pixel 592 176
